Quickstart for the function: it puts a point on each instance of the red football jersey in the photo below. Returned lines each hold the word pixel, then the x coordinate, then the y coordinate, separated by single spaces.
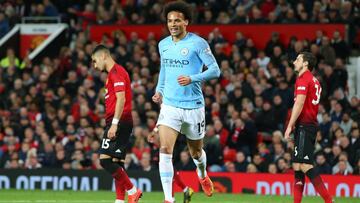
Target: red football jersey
pixel 308 85
pixel 118 80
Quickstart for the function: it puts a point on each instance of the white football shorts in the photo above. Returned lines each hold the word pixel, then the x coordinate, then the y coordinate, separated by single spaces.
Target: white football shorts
pixel 190 122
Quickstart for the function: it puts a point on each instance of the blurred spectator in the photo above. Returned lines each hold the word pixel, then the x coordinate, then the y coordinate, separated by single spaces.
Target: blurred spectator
pixel 319 37
pixel 251 168
pixel 4 25
pixel 241 163
pixel 340 46
pixel 343 166
pixel 241 138
pixel 259 163
pixel 221 132
pixel 327 51
pixel 357 168
pixel 47 156
pixel 185 163
pixel 272 169
pixel 265 120
pixel 256 16
pixel 50 9
pixel 240 16
pixel 140 147
pixel 31 160
pixel 208 17
pixel 145 162
pixel 342 169
pixel 321 165
pixel 280 111
pixel 283 166
pixel 274 41
pixel 263 60
pixel 10 61
pixel 266 7
pixel 212 144
pixel 341 76
pixel 230 167
pixel 354 153
pixel 346 123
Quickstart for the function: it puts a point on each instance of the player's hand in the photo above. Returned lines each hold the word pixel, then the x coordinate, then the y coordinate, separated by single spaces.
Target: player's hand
pixel 151 136
pixel 157 98
pixel 112 132
pixel 287 133
pixel 184 80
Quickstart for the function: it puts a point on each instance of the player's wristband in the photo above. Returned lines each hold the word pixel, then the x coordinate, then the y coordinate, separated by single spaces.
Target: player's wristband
pixel 115 121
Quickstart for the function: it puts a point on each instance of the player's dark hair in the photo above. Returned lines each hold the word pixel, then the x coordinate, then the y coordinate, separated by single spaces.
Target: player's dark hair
pixel 310 58
pixel 99 48
pixel 178 6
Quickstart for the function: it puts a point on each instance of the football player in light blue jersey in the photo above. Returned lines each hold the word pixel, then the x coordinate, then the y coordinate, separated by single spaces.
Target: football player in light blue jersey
pixel 181 72
pixel 183 55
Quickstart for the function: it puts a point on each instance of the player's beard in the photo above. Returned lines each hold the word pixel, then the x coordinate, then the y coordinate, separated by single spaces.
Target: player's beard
pixel 298 71
pixel 103 69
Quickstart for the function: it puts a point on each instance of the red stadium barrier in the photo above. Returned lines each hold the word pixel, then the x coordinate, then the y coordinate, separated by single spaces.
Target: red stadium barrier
pixel 269 184
pixel 259 33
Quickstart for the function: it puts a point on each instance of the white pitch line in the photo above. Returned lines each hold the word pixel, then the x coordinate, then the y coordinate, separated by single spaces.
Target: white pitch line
pixel 86 201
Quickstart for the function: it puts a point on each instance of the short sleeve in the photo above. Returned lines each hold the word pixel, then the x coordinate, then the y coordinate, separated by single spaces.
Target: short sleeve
pixel 301 86
pixel 118 81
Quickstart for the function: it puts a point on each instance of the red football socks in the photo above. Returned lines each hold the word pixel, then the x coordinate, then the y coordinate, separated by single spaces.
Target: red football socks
pixel 178 180
pixel 298 186
pixel 121 176
pixel 318 184
pixel 120 190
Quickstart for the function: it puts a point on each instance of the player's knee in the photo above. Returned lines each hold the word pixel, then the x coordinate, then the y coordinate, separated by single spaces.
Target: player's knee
pixel 296 167
pixel 195 154
pixel 119 162
pixel 166 150
pixel 305 167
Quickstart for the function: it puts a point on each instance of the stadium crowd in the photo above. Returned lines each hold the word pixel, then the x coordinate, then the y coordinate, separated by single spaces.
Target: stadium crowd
pixel 122 12
pixel 52 112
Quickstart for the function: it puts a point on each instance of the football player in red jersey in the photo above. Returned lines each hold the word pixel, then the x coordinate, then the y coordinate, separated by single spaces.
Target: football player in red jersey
pixel 303 120
pixel 119 122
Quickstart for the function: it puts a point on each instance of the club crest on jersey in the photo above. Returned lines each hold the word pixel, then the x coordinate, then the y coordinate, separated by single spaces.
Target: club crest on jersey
pixel 184 51
pixel 207 50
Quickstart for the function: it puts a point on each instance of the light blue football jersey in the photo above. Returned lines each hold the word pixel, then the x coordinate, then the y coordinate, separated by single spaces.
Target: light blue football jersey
pixel 185 57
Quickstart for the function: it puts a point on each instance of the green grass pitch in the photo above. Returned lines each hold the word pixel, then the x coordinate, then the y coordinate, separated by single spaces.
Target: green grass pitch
pixel 37 196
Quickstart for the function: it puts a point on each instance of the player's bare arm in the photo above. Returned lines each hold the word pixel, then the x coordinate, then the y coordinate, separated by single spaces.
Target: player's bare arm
pixel 295 113
pixel 120 101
